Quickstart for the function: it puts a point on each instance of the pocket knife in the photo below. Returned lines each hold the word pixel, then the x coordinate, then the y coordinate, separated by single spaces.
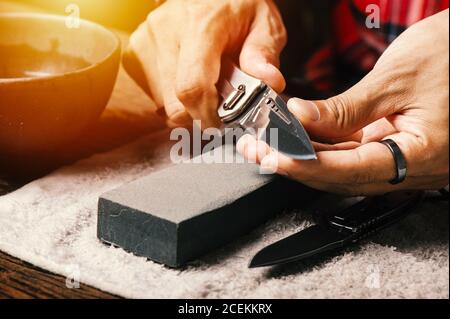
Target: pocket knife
pixel 252 105
pixel 356 219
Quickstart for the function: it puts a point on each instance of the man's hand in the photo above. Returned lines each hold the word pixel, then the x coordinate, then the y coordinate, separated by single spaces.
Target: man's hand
pixel 176 54
pixel 405 98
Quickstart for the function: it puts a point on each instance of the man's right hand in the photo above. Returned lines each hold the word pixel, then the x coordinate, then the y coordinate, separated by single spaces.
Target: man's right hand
pixel 176 54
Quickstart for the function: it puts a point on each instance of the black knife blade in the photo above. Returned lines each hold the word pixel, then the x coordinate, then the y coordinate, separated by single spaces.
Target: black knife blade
pixel 309 242
pixel 346 226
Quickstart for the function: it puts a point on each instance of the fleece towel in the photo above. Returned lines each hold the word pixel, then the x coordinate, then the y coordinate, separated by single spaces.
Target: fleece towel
pixel 51 223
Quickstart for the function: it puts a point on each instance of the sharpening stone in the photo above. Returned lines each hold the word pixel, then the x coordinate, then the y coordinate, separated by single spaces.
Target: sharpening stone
pixel 180 213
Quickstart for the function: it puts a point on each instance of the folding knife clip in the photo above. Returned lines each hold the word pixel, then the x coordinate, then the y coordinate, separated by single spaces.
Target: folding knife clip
pixel 234 97
pixel 238 91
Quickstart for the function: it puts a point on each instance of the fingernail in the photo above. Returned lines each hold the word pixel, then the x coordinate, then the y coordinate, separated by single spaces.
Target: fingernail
pixel 268 165
pixel 302 108
pixel 242 144
pixel 274 77
pixel 251 152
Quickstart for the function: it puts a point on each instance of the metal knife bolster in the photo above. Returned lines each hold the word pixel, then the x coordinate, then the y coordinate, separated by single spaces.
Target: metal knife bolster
pixel 238 90
pixel 244 97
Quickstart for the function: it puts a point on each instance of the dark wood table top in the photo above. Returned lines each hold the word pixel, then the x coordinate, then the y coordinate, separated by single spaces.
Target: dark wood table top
pixel 19 279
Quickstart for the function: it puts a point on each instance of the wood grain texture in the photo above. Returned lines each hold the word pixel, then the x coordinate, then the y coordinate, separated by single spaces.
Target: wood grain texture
pixel 22 280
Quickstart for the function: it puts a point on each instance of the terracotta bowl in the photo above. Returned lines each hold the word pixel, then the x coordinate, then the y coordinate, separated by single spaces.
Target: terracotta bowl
pixel 54 80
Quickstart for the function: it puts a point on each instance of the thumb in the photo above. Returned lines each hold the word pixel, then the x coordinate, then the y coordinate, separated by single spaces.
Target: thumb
pixel 345 114
pixel 260 54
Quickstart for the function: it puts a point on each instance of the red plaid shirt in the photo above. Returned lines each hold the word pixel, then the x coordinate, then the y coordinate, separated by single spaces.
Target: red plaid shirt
pixel 358 46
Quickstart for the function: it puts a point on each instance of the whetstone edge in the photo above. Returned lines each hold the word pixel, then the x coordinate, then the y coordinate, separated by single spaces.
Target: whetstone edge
pixel 180 213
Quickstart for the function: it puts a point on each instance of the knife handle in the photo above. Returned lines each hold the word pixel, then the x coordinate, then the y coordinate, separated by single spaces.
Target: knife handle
pixel 237 90
pixel 373 214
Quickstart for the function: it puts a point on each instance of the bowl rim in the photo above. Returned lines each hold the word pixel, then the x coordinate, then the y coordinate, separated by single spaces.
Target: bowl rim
pixel 56 17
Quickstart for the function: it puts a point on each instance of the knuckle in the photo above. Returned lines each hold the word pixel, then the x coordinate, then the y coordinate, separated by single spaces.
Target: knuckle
pixel 155 19
pixel 362 177
pixel 282 35
pixel 189 91
pixel 361 173
pixel 137 37
pixel 341 110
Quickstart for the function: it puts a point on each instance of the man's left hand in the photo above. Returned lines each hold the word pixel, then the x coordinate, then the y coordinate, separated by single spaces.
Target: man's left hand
pixel 404 98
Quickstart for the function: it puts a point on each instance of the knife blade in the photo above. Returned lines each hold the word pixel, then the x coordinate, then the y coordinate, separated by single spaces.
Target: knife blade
pixel 250 104
pixel 347 226
pixel 304 244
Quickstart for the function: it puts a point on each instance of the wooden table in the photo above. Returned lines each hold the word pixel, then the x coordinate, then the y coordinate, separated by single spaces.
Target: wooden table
pixel 129 115
pixel 22 280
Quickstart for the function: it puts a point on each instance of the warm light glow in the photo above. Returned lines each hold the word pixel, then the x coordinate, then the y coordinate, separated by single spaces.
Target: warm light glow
pixel 116 13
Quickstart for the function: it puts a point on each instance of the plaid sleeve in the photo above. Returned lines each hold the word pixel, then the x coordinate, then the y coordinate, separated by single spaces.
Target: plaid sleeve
pixel 358 47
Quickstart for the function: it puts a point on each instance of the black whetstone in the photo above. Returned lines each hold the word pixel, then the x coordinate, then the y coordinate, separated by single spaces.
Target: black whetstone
pixel 178 214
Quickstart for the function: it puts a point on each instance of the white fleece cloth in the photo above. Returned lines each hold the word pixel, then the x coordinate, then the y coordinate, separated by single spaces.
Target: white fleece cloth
pixel 51 223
